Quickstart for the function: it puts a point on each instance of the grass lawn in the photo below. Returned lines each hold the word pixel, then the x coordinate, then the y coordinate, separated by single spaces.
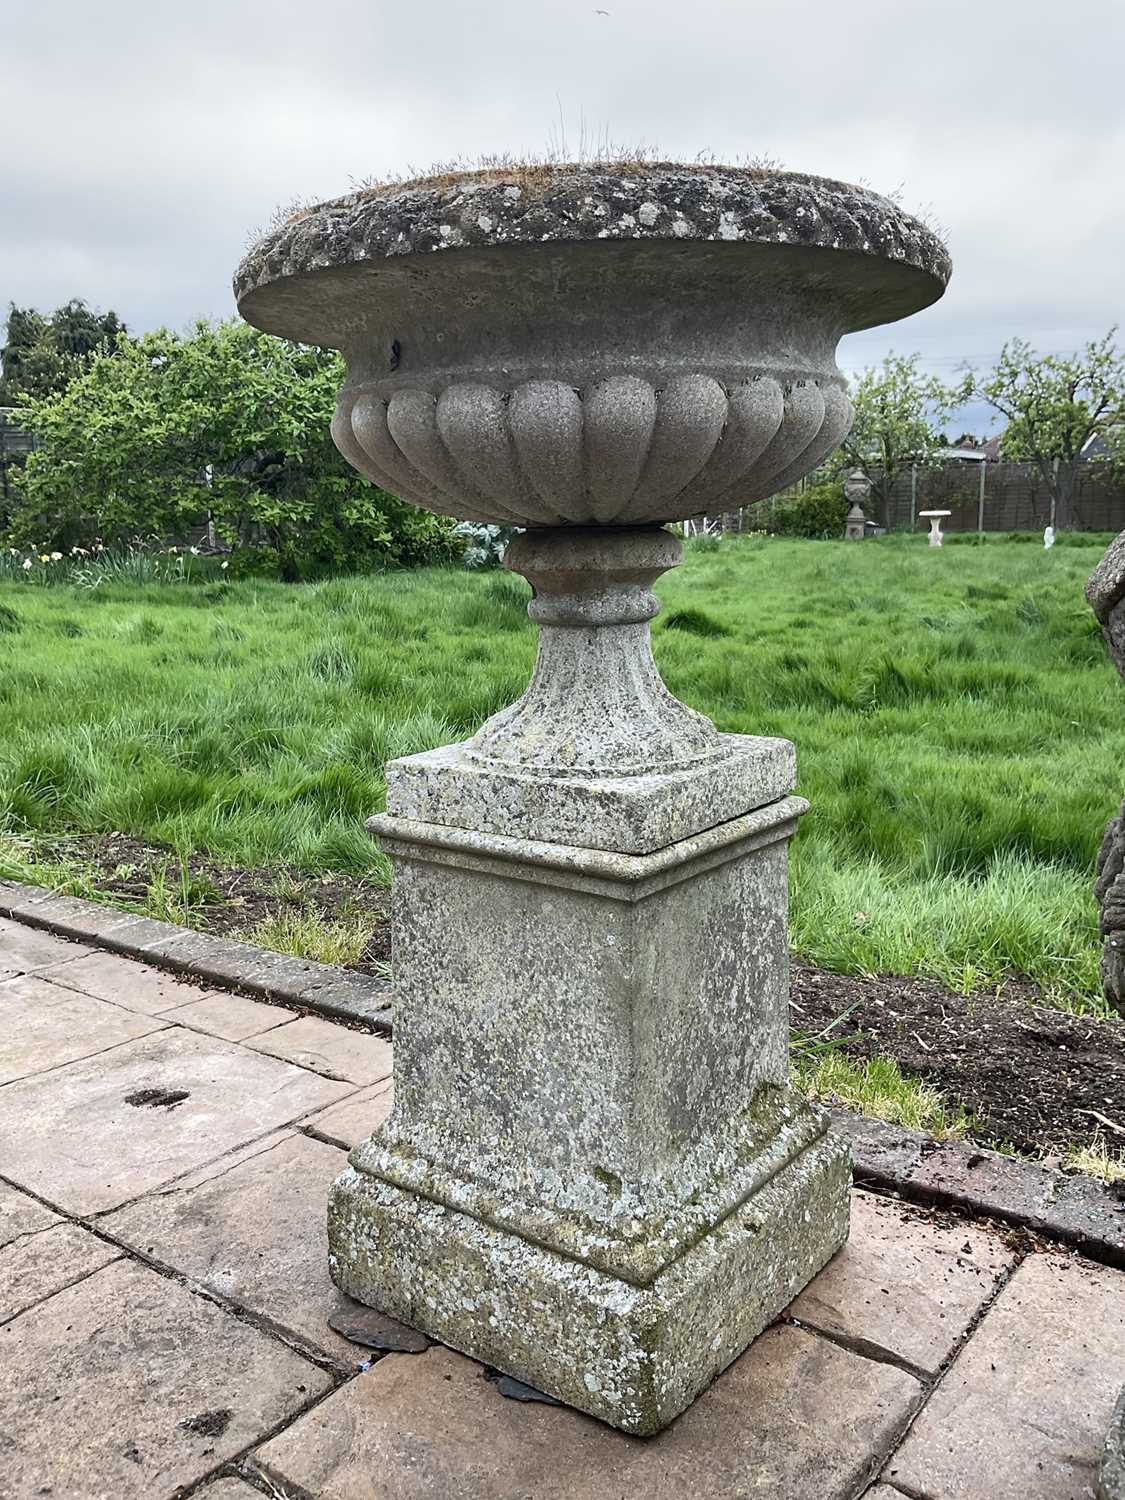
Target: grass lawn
pixel 960 734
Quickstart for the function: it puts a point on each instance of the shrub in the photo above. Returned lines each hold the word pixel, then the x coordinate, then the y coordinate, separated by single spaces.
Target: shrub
pixel 223 420
pixel 818 511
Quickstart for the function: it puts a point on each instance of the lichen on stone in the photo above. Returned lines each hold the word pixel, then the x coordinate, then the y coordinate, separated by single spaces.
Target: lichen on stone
pixel 644 200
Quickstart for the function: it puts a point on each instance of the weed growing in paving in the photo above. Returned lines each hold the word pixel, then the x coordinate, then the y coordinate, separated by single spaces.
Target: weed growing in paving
pixel 959 731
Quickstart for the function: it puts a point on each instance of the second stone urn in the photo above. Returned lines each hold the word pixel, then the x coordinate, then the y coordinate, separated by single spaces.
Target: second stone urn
pixel 596 1176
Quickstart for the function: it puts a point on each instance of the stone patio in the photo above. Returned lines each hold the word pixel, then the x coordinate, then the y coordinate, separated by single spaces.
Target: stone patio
pixel 165 1156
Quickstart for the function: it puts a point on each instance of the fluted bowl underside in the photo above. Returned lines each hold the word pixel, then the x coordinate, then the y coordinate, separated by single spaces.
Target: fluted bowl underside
pixel 620 451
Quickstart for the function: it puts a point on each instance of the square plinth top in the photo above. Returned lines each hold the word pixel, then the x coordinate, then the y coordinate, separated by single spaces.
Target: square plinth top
pixel 624 814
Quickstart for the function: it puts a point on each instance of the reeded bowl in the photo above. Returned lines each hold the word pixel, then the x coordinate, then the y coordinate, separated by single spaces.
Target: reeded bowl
pixel 573 346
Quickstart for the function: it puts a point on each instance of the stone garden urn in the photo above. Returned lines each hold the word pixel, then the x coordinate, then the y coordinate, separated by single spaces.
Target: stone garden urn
pixel 595 1176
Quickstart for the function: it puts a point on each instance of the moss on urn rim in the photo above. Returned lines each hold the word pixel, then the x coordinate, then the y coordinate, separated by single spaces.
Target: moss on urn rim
pixel 572 203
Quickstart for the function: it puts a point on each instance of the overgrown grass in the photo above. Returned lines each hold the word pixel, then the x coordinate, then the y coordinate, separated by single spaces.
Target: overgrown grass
pixel 959 732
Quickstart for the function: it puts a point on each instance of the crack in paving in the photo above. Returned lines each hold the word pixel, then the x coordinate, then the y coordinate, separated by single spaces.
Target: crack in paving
pixel 54 1292
pixel 89 1056
pixel 865 1348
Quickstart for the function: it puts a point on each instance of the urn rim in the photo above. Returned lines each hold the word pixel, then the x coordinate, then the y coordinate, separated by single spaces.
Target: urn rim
pixel 638 204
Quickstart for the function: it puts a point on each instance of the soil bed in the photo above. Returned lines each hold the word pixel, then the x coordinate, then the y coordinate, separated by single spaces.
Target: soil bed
pixel 1030 1074
pixel 237 897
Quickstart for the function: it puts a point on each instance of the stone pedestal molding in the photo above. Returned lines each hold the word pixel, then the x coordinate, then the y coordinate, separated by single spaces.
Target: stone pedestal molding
pixel 595 1176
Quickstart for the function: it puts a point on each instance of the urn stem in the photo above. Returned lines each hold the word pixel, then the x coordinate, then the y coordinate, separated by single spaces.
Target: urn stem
pixel 596 704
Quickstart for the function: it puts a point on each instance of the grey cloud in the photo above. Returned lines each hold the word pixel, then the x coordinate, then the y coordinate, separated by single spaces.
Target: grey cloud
pixel 145 139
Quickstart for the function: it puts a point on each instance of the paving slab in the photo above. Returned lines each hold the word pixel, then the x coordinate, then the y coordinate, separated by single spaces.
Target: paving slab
pixel 24 949
pixel 233 1017
pixel 1022 1415
pixel 20 1215
pixel 352 1121
pixel 256 1233
pixel 125 982
pixel 128 1385
pixel 906 1282
pixel 325 1047
pixel 39 1265
pixel 97 1133
pixel 795 1418
pixel 43 1026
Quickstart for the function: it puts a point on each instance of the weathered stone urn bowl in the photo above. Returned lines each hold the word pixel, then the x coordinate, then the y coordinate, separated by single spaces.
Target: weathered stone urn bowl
pixel 579 346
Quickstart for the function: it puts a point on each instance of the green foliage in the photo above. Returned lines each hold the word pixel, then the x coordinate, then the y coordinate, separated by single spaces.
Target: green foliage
pixel 41 355
pixel 1054 404
pixel 484 545
pixel 223 420
pixel 899 413
pixel 818 511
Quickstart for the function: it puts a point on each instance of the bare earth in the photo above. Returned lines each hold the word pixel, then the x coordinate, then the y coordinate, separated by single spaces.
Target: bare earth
pixel 165 1153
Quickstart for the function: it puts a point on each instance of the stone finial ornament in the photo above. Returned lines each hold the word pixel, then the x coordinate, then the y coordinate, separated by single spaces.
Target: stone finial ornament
pixel 857 487
pixel 1106 594
pixel 595 1176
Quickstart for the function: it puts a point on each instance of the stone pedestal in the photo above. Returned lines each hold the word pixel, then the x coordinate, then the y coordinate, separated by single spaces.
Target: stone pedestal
pixel 595 1176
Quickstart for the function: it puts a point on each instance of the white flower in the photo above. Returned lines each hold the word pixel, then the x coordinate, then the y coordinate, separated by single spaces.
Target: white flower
pixel 27 564
pixel 224 565
pixel 56 557
pixel 195 552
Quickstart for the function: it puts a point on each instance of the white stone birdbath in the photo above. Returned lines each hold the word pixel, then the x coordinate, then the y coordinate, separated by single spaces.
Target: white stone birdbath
pixel 595 1176
pixel 935 518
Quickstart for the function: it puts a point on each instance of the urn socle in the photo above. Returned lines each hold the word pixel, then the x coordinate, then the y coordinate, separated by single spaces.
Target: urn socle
pixel 595 1176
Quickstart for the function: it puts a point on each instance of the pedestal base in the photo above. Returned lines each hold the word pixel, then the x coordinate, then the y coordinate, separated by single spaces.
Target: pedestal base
pixel 633 1355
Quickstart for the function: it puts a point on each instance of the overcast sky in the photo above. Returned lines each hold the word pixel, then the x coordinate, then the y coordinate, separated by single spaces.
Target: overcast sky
pixel 144 140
